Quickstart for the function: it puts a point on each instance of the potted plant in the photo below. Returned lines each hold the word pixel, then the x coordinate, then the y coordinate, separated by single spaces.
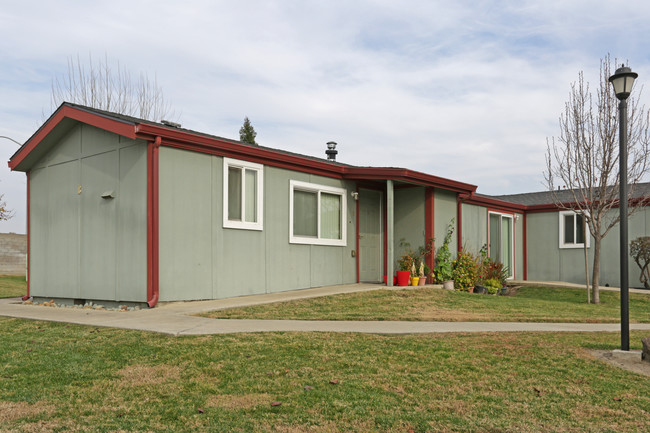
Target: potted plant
pixel 414 275
pixel 404 274
pixel 443 269
pixel 423 271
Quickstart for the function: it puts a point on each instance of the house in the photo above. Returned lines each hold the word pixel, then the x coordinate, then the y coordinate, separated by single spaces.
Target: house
pixel 555 239
pixel 125 210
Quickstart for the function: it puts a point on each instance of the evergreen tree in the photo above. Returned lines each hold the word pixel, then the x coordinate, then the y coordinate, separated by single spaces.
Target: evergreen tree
pixel 247 133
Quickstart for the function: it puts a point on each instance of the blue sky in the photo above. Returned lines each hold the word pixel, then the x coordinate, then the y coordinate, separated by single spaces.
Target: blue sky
pixel 468 90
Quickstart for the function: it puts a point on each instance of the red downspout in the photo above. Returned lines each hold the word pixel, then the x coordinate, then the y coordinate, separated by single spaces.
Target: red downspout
pixel 429 226
pixel 459 221
pixel 26 297
pixel 152 222
pixel 357 246
pixel 525 216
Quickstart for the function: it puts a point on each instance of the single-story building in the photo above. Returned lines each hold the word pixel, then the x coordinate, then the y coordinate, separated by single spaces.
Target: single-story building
pixel 127 210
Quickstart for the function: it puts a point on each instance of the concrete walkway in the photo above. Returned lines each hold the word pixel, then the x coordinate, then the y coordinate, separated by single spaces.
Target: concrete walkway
pixel 175 318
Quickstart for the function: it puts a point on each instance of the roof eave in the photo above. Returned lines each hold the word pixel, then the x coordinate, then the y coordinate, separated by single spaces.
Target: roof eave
pixel 65 111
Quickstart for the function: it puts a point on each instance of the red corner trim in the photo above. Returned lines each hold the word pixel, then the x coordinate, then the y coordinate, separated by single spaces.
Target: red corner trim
pixel 525 246
pixel 357 240
pixel 429 223
pixel 27 295
pixel 120 127
pixel 459 222
pixel 152 222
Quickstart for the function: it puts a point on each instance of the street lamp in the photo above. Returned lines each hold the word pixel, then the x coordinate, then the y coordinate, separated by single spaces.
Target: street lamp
pixel 623 80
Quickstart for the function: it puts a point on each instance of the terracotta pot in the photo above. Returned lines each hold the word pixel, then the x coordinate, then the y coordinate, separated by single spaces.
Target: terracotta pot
pixel 423 281
pixel 403 278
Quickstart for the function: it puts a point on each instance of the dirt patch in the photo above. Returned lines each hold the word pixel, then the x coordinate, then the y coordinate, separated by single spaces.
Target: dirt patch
pixel 635 365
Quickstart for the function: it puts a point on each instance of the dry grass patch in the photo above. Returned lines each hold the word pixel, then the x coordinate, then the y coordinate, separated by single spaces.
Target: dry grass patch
pixel 12 411
pixel 243 401
pixel 147 375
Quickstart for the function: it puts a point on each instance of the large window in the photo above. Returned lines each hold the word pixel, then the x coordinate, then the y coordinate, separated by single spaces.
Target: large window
pixel 242 194
pixel 316 214
pixel 573 230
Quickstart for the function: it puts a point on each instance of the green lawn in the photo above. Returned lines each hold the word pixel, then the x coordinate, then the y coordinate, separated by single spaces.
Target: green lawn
pixel 12 286
pixel 529 304
pixel 57 377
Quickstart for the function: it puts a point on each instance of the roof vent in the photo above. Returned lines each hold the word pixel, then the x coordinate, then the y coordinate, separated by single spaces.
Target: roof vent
pixel 170 123
pixel 331 150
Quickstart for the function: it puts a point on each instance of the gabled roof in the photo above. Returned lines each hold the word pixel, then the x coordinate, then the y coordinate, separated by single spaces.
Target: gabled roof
pixel 68 115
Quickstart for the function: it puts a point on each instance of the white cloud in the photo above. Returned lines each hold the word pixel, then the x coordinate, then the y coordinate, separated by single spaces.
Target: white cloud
pixel 466 90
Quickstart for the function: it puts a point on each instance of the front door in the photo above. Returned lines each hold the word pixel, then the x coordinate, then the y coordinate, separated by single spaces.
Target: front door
pixel 500 246
pixel 370 236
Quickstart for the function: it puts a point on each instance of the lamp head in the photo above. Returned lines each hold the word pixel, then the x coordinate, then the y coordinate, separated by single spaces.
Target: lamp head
pixel 623 80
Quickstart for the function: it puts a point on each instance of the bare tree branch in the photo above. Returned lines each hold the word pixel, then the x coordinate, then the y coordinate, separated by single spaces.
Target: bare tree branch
pixel 99 86
pixel 584 157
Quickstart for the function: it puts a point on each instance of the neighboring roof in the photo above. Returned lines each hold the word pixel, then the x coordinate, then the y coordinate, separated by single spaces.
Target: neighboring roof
pixel 561 196
pixel 68 115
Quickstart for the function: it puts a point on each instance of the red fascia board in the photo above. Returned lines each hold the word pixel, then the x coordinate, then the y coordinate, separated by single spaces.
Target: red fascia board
pixel 495 204
pixel 406 175
pixel 119 127
pixel 214 146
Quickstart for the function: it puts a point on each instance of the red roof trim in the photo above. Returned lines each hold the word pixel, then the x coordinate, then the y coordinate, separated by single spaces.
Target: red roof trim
pixel 119 127
pixel 406 175
pixel 214 146
pixel 494 204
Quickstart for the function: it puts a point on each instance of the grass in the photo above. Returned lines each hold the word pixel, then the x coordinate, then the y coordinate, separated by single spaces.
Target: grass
pixel 530 304
pixel 12 286
pixel 58 377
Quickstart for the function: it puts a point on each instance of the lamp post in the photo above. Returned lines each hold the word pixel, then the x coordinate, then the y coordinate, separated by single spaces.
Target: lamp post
pixel 623 80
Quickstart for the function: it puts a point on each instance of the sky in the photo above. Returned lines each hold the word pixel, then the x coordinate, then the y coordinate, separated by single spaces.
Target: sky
pixel 466 90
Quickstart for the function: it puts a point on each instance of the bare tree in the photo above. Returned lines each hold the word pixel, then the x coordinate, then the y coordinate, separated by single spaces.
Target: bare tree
pixel 5 213
pixel 97 85
pixel 584 158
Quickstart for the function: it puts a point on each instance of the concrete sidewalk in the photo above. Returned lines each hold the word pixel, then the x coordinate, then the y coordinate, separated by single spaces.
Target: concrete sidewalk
pixel 176 318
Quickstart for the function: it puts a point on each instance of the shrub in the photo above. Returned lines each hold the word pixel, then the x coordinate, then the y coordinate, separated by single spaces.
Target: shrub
pixel 493 285
pixel 640 251
pixel 489 269
pixel 465 271
pixel 443 270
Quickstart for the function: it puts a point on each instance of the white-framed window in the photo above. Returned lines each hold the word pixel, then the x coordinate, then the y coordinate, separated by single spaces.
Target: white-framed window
pixel 317 214
pixel 573 230
pixel 243 187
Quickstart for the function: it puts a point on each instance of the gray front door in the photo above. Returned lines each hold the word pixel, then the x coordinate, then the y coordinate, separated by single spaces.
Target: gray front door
pixel 370 236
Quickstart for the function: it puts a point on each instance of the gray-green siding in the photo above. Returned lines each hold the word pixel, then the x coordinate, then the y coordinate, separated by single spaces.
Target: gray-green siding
pixel 199 259
pixel 475 234
pixel 548 262
pixel 83 246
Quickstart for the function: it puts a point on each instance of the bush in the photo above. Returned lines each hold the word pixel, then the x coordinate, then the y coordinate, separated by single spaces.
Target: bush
pixel 490 269
pixel 640 251
pixel 444 270
pixel 493 285
pixel 465 271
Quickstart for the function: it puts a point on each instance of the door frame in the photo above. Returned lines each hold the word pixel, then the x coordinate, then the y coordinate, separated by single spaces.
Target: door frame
pixel 381 241
pixel 510 216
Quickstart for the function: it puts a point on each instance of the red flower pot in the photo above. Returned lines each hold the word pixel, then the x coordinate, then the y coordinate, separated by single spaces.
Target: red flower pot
pixel 403 278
